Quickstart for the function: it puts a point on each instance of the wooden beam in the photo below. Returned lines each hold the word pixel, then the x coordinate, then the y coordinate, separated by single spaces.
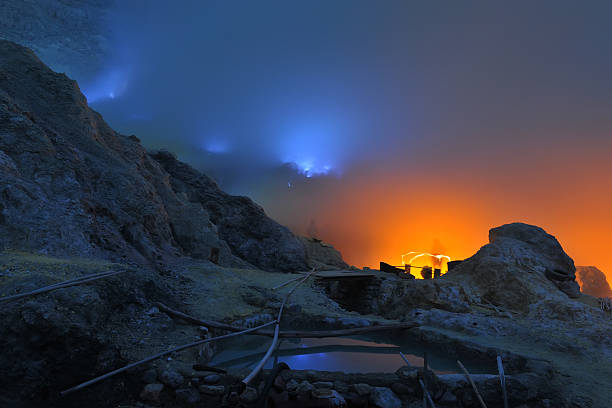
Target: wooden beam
pixel 285 333
pixel 60 285
pixel 469 377
pixel 502 380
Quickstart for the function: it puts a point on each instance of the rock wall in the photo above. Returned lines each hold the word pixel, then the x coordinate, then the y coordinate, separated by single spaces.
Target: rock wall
pixel 395 297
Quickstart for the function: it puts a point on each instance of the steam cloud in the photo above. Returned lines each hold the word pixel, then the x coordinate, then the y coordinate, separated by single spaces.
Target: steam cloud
pixel 477 113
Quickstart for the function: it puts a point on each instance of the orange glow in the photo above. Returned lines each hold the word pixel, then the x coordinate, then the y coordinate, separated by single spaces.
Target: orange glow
pixel 375 214
pixel 420 259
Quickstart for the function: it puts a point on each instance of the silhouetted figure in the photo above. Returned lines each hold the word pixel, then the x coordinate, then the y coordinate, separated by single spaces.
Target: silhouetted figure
pixel 312 231
pixel 426 272
pixel 214 255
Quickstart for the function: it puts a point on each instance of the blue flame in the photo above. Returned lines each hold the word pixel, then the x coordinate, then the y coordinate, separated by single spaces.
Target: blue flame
pixel 110 85
pixel 313 150
pixel 217 146
pixel 309 167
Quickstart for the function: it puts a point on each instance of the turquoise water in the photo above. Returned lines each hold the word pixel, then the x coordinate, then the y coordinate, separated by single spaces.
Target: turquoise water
pixel 350 355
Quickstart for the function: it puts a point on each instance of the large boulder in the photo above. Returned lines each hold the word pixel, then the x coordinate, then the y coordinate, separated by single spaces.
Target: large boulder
pixel 72 186
pixel 521 265
pixel 593 281
pixel 518 236
pixel 383 397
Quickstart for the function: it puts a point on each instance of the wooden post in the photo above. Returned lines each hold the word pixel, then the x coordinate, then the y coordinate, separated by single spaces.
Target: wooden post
pixel 214 255
pixel 425 364
pixel 469 378
pixel 405 359
pixel 502 380
pixel 426 397
pixel 425 378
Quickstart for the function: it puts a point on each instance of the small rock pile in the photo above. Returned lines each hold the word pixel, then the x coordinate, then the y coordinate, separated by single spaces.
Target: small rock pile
pixel 308 388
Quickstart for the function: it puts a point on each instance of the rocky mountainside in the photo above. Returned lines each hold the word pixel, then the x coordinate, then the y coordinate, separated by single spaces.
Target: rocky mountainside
pixel 72 186
pixel 593 281
pixel 322 255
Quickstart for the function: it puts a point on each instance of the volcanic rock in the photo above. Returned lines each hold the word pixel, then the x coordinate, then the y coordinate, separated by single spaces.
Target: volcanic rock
pixel 292 385
pixel 401 389
pixel 188 395
pixel 323 384
pixel 521 266
pixel 171 378
pixel 362 389
pixel 322 255
pixel 249 395
pixel 305 388
pixel 392 296
pixel 593 281
pixel 383 397
pixel 72 186
pixel 559 267
pixel 212 379
pixel 67 336
pixel 151 392
pixel 550 252
pixel 212 389
pixel 334 399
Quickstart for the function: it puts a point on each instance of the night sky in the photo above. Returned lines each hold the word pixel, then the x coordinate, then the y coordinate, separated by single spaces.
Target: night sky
pixel 381 127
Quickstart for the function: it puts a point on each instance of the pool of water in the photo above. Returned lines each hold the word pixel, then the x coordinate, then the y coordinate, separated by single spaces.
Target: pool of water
pixel 350 355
